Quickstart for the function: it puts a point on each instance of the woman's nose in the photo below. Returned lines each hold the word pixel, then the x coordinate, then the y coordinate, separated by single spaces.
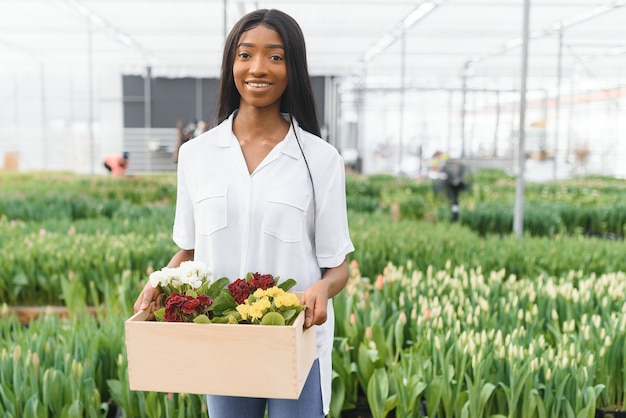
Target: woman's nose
pixel 258 65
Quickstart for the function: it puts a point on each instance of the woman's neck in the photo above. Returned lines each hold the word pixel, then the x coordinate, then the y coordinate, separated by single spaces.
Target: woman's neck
pixel 251 124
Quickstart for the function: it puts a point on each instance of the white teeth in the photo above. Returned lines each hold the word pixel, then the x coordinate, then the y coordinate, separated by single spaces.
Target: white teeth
pixel 258 84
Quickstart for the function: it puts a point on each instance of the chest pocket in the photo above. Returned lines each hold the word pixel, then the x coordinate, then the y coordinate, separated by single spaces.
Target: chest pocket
pixel 285 217
pixel 210 209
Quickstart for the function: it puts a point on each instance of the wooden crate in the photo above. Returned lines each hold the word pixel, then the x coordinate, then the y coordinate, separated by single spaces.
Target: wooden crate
pixel 219 359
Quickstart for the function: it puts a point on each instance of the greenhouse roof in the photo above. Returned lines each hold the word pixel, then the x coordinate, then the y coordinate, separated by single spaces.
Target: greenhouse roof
pixel 441 40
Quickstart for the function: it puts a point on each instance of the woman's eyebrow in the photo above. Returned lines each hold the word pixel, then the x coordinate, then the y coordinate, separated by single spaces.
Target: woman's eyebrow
pixel 251 45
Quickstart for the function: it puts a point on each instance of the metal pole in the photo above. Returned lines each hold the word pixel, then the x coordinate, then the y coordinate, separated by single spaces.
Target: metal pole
pixel 449 122
pixel 463 107
pixel 518 219
pixel 557 115
pixel 570 124
pixel 44 136
pixel 92 150
pixel 494 151
pixel 199 111
pixel 16 96
pixel 225 20
pixel 147 107
pixel 402 93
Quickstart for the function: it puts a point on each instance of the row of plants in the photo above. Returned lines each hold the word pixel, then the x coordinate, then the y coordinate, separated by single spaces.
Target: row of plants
pixel 589 206
pixel 36 263
pixel 463 343
pixel 548 219
pixel 76 368
pixel 451 342
pixel 592 206
pixel 103 261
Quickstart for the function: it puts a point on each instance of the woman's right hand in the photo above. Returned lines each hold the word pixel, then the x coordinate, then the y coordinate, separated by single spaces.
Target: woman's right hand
pixel 151 294
pixel 148 295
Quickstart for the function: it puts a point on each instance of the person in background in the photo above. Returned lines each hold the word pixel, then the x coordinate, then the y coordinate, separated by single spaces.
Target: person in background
pixel 455 180
pixel 117 164
pixel 262 192
pixel 188 132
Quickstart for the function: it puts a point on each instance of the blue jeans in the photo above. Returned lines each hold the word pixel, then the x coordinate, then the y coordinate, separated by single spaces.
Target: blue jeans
pixel 309 405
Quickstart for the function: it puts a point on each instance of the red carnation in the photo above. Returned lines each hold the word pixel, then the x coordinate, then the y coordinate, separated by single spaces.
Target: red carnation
pixel 205 300
pixel 240 289
pixel 190 305
pixel 262 281
pixel 174 300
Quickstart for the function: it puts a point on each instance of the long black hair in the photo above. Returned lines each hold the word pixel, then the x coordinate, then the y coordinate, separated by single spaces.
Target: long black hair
pixel 297 100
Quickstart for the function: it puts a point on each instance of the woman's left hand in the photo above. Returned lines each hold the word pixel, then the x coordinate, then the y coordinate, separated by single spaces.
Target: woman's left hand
pixel 316 301
pixel 316 297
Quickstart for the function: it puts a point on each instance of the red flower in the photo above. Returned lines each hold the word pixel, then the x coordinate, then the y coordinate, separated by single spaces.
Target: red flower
pixel 262 281
pixel 172 315
pixel 190 305
pixel 240 289
pixel 205 300
pixel 184 308
pixel 174 300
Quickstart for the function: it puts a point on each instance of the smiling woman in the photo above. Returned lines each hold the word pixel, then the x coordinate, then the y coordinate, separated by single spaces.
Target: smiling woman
pixel 277 191
pixel 260 72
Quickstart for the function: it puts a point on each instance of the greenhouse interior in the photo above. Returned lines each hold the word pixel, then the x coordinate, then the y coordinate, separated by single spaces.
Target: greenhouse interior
pixel 457 251
pixel 395 81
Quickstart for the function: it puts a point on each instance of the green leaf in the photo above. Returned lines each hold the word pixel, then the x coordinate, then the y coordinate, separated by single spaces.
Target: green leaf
pixel 286 285
pixel 273 318
pixel 377 391
pixel 159 314
pixel 365 366
pixel 218 287
pixel 202 319
pixel 339 395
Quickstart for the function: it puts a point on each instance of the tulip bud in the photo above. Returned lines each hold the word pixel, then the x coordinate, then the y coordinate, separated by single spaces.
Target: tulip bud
pixel 17 352
pixel 368 333
pixel 379 284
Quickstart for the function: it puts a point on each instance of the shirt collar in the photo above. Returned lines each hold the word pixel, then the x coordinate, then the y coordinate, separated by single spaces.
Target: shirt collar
pixel 288 146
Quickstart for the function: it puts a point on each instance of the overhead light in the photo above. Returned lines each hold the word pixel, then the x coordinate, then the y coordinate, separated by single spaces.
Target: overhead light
pixel 554 28
pixel 417 14
pixel 421 11
pixel 513 43
pixel 108 28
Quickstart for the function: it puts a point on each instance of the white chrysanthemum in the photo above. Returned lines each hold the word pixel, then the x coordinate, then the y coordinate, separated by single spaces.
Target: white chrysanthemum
pixel 194 273
pixel 159 278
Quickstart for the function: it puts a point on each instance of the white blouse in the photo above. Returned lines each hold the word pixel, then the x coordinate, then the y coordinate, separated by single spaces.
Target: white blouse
pixel 267 221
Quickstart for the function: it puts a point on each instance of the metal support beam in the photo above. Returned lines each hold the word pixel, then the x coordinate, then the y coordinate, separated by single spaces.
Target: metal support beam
pixel 518 219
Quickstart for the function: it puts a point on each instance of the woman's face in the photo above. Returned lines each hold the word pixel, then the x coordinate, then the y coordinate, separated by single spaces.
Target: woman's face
pixel 260 71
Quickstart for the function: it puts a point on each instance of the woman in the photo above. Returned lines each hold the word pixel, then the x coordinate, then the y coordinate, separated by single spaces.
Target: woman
pixel 262 192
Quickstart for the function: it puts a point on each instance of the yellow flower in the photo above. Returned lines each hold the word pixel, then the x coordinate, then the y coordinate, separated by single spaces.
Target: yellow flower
pixel 286 300
pixel 269 292
pixel 262 305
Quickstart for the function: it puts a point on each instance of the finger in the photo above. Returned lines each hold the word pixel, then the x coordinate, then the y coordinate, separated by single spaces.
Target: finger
pixel 145 302
pixel 309 314
pixel 137 305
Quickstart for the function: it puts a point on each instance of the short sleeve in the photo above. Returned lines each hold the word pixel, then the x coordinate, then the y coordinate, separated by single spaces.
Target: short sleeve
pixel 332 236
pixel 184 224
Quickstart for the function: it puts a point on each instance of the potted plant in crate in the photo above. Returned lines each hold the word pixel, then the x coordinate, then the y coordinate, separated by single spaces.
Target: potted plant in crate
pixel 229 314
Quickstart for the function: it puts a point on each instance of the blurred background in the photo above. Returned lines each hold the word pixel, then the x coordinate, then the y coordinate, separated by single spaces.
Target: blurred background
pixel 395 81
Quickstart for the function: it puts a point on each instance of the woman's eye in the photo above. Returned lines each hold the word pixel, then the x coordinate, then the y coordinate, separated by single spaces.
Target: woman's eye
pixel 244 55
pixel 276 58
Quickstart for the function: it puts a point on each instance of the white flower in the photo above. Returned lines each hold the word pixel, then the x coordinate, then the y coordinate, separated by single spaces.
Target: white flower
pixel 189 274
pixel 159 278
